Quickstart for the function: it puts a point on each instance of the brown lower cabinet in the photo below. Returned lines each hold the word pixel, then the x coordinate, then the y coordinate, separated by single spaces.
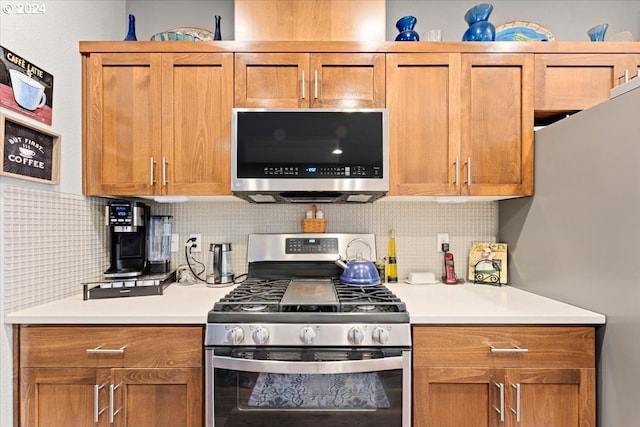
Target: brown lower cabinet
pixel 126 376
pixel 484 376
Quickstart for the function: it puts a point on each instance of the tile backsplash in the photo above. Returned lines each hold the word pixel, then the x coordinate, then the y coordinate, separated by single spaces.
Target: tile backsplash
pixel 51 241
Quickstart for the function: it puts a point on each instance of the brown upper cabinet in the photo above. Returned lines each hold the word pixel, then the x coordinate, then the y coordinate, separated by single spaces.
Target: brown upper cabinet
pixel 569 82
pixel 460 124
pixel 316 80
pixel 156 115
pixel 157 123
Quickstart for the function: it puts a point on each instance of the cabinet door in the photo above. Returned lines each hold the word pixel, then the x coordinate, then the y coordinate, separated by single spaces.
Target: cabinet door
pixel 63 397
pixel 573 82
pixel 457 397
pixel 157 397
pixel 122 126
pixel 347 80
pixel 497 124
pixel 196 134
pixel 550 397
pixel 271 80
pixel 423 97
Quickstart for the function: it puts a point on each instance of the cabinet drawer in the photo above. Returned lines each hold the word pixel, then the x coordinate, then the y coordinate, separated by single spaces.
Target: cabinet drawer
pixel 111 346
pixel 504 346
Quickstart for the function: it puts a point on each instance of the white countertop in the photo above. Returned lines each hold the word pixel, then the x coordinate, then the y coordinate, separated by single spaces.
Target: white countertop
pixel 427 304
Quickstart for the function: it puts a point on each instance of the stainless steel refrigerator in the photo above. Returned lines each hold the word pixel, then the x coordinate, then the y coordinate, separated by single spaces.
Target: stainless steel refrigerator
pixel 578 238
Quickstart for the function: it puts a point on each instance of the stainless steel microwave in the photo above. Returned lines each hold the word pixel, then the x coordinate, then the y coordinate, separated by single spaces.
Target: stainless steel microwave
pixel 310 155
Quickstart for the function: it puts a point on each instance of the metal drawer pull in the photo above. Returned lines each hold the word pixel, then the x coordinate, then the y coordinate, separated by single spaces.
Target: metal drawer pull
pixel 96 402
pixel 100 350
pixel 501 409
pixel 303 90
pixel 112 392
pixel 517 410
pixel 515 349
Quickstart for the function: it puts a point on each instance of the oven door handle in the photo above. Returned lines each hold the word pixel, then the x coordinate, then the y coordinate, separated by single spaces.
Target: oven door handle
pixel 326 367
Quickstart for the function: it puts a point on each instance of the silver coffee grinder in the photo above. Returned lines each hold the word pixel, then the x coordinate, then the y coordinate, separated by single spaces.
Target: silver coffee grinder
pixel 220 270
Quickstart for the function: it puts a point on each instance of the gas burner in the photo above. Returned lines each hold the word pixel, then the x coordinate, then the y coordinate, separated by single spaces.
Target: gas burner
pixel 368 307
pixel 253 307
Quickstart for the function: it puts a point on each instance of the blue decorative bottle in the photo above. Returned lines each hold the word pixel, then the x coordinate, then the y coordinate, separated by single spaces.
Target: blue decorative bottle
pixel 405 25
pixel 131 35
pixel 216 34
pixel 480 29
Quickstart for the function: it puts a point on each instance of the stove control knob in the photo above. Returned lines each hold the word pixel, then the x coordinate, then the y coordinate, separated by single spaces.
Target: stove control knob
pixel 260 335
pixel 235 335
pixel 380 335
pixel 355 335
pixel 307 335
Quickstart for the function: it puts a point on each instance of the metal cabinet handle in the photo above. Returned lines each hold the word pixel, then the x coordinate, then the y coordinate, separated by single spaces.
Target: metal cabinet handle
pixel 315 84
pixel 100 350
pixel 468 181
pixel 457 179
pixel 164 171
pixel 112 412
pixel 501 409
pixel 516 411
pixel 304 93
pixel 152 167
pixel 96 402
pixel 514 349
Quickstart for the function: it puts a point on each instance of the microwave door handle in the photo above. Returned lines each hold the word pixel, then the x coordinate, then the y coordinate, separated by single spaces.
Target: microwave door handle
pixel 321 367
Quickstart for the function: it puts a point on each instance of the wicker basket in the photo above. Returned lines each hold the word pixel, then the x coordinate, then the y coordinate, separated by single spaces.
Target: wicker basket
pixel 314 225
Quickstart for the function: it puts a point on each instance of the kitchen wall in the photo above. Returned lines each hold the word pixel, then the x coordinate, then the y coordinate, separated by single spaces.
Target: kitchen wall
pixel 52 235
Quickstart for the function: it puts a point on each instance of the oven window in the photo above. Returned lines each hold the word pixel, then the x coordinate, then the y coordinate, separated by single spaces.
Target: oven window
pixel 259 399
pixel 269 399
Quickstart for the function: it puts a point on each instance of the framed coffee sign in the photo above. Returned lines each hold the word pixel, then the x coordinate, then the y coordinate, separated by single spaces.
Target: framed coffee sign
pixel 25 87
pixel 29 152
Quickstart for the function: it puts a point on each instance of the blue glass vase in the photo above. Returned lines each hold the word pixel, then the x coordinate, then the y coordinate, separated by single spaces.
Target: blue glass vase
pixel 596 34
pixel 131 35
pixel 217 35
pixel 405 26
pixel 480 29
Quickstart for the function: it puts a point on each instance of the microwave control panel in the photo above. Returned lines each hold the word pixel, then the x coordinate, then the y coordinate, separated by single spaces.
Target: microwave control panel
pixel 322 172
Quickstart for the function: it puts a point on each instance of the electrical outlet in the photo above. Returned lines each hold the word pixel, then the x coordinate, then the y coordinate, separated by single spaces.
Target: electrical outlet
pixel 197 245
pixel 442 238
pixel 175 242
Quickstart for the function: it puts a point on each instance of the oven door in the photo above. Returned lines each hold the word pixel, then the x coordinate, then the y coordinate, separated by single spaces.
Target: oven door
pixel 310 387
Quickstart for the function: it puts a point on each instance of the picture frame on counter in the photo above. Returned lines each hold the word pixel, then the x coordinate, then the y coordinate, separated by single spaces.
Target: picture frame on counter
pixel 488 263
pixel 29 152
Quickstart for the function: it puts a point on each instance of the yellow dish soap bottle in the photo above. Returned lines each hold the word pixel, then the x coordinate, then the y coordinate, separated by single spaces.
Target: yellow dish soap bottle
pixel 392 267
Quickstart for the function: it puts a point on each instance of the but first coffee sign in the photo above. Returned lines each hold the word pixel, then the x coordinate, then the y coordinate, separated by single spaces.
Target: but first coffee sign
pixel 29 152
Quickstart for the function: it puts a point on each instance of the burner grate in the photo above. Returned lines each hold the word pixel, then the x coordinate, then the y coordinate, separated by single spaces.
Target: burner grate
pixel 264 296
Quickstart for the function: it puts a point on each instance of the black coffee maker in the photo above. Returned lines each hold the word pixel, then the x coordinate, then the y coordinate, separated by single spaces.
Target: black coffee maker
pixel 127 222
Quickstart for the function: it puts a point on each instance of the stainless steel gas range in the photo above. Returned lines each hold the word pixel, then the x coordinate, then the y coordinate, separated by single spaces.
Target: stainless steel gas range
pixel 291 344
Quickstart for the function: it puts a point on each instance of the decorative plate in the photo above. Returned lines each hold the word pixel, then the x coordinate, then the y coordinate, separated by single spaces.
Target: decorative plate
pixel 522 31
pixel 186 33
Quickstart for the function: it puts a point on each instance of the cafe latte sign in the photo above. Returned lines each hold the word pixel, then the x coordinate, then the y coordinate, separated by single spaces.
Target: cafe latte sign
pixel 28 152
